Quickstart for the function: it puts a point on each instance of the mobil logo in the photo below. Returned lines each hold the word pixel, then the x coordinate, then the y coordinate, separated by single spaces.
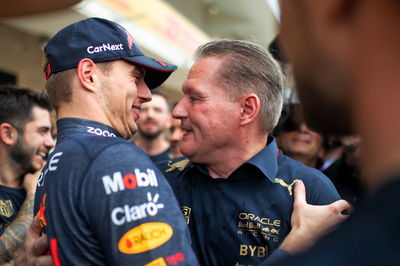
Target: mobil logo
pixel 145 237
pixel 119 182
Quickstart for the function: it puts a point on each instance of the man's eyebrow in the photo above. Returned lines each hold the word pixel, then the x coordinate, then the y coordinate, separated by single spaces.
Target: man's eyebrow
pixel 139 71
pixel 44 128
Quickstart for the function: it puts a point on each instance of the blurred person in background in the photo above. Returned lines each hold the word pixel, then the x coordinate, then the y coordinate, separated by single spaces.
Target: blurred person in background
pixel 25 134
pixel 333 150
pixel 175 137
pixel 346 173
pixel 346 63
pixel 299 142
pixel 153 122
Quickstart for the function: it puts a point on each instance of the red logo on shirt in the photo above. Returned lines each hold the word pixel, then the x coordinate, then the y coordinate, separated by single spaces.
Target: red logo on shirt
pixel 176 258
pixel 42 208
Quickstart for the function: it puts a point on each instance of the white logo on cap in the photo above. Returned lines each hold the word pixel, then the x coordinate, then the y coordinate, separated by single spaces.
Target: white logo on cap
pixel 105 47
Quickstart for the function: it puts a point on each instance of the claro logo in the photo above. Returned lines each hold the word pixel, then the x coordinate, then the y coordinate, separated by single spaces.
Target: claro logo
pixel 145 237
pixel 130 181
pixel 126 214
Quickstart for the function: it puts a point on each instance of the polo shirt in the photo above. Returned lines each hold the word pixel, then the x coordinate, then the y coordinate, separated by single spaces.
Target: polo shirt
pixel 242 219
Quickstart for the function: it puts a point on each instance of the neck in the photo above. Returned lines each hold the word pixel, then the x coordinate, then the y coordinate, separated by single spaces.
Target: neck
pixel 153 146
pixel 228 160
pixel 309 161
pixel 377 96
pixel 10 174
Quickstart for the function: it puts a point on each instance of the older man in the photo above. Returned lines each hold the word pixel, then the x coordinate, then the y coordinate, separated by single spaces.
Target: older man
pixel 236 190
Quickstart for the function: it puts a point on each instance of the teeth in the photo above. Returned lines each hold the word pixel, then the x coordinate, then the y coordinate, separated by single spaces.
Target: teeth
pixel 43 155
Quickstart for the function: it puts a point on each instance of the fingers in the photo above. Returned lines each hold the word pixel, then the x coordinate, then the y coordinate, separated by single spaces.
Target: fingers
pixel 342 206
pixel 35 226
pixel 40 247
pixel 299 192
pixel 44 261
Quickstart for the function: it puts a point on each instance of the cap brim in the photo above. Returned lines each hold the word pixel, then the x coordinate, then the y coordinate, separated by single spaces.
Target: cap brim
pixel 156 71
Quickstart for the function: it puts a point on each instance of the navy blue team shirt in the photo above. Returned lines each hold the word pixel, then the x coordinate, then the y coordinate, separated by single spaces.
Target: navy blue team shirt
pixel 369 237
pixel 241 220
pixel 11 200
pixel 102 202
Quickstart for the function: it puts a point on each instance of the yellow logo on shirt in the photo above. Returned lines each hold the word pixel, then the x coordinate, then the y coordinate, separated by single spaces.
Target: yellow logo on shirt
pixel 6 208
pixel 180 165
pixel 186 213
pixel 283 183
pixel 145 237
pixel 157 262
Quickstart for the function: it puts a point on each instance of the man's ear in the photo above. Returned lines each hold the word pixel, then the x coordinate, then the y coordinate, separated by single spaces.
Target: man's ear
pixel 249 108
pixel 8 134
pixel 87 73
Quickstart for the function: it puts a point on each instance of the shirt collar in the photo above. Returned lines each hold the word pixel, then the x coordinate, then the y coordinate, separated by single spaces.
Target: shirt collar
pixel 267 159
pixel 80 125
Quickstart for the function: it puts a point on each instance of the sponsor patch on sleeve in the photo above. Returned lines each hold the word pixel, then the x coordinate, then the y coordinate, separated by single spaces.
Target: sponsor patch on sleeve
pixel 145 237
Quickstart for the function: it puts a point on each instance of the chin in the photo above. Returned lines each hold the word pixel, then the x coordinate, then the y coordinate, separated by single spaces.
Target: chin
pixel 187 152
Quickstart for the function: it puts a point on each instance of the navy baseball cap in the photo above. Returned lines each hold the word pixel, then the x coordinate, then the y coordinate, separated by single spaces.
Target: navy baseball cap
pixel 101 40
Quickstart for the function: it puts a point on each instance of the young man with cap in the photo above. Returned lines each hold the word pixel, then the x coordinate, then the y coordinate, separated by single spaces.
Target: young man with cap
pixel 236 190
pixel 100 199
pixel 25 141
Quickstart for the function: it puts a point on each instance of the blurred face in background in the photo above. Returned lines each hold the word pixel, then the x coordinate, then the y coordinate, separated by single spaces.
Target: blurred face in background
pixel 301 144
pixel 175 137
pixel 154 117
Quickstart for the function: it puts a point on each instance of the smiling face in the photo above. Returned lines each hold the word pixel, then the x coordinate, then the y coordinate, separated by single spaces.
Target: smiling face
pixel 301 142
pixel 154 117
pixel 209 118
pixel 32 147
pixel 124 91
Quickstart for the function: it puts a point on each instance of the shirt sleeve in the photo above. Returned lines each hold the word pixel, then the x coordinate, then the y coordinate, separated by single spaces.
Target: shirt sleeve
pixel 132 211
pixel 319 189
